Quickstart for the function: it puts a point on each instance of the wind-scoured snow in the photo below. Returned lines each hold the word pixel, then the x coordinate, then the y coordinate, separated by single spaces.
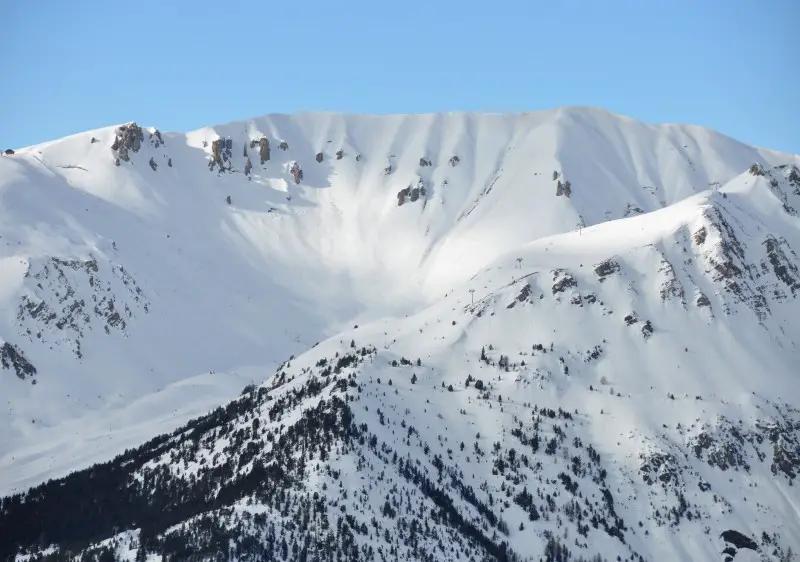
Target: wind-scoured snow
pixel 639 279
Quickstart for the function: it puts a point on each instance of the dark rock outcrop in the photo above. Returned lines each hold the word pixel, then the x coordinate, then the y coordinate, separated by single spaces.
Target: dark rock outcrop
pixel 263 149
pixel 129 138
pixel 606 268
pixel 562 281
pixel 739 540
pixel 413 193
pixel 221 153
pixel 297 172
pixel 155 139
pixel 11 357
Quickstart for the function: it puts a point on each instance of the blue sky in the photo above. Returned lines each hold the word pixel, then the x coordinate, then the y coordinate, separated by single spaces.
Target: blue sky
pixel 71 66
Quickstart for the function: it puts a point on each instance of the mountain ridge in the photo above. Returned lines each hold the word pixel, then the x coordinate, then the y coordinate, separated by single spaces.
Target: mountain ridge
pixel 469 242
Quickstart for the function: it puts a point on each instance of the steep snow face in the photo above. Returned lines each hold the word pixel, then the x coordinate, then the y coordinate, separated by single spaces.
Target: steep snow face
pixel 134 295
pixel 628 389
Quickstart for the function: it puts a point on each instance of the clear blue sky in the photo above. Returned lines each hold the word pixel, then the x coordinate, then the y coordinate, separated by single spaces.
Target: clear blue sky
pixel 66 67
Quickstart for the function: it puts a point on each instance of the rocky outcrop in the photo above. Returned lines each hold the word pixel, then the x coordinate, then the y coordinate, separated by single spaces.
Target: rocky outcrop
pixel 221 154
pixel 564 189
pixel 659 467
pixel 669 286
pixel 783 268
pixel 297 172
pixel 523 296
pixel 562 281
pixel 632 210
pixel 156 139
pixel 784 182
pixel 69 297
pixel 700 236
pixel 263 148
pixel 739 540
pixel 128 138
pixel 319 157
pixel 412 193
pixel 725 260
pixel 606 268
pixel 11 357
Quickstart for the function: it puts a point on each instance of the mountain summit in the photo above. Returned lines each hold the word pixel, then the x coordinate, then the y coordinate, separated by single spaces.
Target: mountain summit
pixel 557 335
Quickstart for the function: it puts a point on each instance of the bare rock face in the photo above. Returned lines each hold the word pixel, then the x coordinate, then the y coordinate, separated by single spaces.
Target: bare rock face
pixel 221 153
pixel 454 160
pixel 563 188
pixel 319 157
pixel 339 154
pixel 793 177
pixel 779 255
pixel 155 139
pixel 153 164
pixel 401 196
pixel 606 268
pixel 424 163
pixel 263 149
pixel 8 152
pixel 562 280
pixel 247 166
pixel 284 145
pixel 11 357
pixel 297 172
pixel 72 297
pixel 129 138
pixel 413 193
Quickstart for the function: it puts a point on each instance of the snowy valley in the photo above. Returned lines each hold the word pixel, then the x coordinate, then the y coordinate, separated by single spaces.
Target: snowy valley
pixel 558 335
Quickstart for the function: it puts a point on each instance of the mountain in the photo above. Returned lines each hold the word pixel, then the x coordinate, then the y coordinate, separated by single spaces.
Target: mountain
pixel 558 335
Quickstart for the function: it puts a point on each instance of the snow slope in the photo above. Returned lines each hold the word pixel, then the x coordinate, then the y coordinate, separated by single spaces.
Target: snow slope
pixel 653 298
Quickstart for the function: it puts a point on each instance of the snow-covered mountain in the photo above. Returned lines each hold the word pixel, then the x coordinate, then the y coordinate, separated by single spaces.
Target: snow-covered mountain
pixel 463 336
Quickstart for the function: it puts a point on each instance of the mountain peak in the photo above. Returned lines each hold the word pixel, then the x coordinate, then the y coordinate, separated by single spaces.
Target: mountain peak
pixel 483 331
